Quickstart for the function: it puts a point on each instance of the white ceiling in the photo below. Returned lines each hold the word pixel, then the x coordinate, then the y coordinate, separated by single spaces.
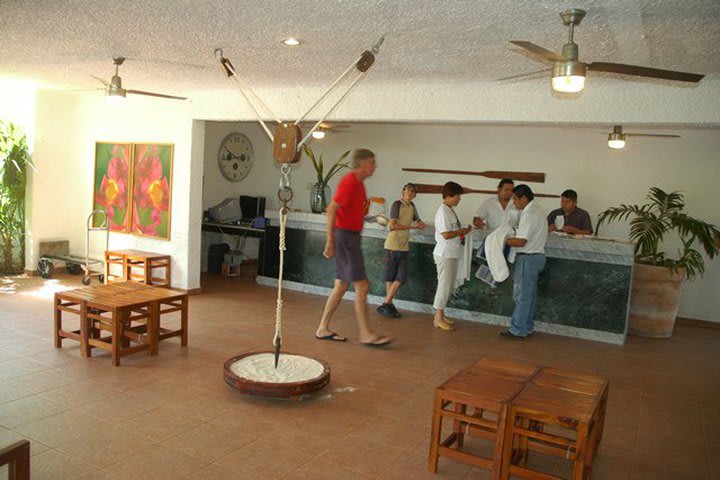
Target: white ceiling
pixel 61 43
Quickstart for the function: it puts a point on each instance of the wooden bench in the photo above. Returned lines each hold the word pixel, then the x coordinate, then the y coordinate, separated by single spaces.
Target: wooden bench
pixel 138 266
pixel 130 312
pixel 561 413
pixel 476 399
pixel 17 457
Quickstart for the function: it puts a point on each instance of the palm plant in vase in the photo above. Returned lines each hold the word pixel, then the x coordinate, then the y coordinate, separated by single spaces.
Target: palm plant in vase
pixel 320 193
pixel 656 277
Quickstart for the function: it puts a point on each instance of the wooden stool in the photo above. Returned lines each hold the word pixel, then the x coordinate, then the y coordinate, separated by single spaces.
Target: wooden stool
pixel 487 386
pixel 573 404
pixel 139 266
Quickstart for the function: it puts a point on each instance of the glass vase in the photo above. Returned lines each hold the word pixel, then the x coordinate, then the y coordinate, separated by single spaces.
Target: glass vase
pixel 320 195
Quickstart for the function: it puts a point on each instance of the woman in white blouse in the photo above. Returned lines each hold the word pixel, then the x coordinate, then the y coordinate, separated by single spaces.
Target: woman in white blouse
pixel 449 238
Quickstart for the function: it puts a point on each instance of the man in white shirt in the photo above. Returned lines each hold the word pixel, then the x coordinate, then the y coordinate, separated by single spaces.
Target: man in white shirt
pixel 529 245
pixel 498 210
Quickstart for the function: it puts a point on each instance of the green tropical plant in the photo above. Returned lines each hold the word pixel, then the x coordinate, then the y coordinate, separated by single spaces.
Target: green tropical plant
pixel 664 213
pixel 319 165
pixel 14 161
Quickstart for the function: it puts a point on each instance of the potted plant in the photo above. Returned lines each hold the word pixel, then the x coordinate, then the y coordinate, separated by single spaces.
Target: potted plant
pixel 657 278
pixel 14 161
pixel 320 192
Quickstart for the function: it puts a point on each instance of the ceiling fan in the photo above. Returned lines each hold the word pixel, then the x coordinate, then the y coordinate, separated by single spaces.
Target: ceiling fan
pixel 616 138
pixel 327 127
pixel 568 73
pixel 114 91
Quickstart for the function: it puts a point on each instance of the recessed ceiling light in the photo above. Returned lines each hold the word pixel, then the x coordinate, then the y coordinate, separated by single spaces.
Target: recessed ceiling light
pixel 318 134
pixel 293 42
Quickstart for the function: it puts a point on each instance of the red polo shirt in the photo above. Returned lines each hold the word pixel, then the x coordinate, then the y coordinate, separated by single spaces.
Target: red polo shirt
pixel 351 197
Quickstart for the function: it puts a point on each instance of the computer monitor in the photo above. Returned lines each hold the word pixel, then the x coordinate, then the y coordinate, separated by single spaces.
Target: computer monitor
pixel 252 207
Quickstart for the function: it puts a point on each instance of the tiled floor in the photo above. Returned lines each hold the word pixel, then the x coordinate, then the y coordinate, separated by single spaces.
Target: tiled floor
pixel 171 416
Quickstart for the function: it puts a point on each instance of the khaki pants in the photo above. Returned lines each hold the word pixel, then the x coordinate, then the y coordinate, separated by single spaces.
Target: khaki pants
pixel 446 273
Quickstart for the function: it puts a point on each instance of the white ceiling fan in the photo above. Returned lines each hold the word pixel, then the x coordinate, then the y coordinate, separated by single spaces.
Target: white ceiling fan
pixel 617 138
pixel 568 72
pixel 115 93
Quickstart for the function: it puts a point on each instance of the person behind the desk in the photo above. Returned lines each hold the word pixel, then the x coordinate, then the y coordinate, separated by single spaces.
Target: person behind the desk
pixel 529 245
pixel 403 218
pixel 569 218
pixel 498 210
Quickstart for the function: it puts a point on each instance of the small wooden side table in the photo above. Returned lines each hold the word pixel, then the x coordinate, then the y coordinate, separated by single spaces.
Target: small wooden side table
pixel 139 266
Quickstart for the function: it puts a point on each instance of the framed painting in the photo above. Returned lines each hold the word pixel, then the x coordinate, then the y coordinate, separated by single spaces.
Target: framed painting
pixel 111 191
pixel 152 168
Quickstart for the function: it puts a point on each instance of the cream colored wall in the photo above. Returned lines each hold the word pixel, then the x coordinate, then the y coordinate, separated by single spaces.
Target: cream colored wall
pixel 571 158
pixel 67 128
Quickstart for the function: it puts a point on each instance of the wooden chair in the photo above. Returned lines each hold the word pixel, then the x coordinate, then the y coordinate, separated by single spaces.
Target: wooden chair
pixel 477 400
pixel 561 413
pixel 17 457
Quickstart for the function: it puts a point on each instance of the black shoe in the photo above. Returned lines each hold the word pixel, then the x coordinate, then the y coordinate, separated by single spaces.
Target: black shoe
pixel 385 311
pixel 395 312
pixel 508 335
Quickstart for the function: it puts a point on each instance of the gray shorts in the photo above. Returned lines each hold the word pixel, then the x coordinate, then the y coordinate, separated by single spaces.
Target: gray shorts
pixel 349 263
pixel 395 266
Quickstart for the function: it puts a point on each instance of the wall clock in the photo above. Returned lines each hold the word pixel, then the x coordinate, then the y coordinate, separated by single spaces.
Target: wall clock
pixel 235 157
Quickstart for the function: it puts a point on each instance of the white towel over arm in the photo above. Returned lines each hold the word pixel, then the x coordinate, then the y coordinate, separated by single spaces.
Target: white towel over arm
pixel 465 262
pixel 494 246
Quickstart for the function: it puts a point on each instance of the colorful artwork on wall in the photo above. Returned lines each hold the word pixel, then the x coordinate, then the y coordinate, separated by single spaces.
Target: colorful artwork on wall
pixel 151 189
pixel 112 184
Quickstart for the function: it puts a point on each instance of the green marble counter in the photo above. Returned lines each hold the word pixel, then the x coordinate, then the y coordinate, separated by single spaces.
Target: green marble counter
pixel 583 291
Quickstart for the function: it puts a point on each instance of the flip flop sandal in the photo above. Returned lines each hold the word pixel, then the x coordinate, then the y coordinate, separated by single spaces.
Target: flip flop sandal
pixel 333 337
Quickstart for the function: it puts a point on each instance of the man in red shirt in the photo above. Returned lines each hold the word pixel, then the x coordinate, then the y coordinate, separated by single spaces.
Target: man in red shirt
pixel 345 217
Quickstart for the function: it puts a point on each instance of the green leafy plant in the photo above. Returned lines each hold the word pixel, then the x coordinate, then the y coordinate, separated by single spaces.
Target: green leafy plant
pixel 14 161
pixel 319 165
pixel 665 213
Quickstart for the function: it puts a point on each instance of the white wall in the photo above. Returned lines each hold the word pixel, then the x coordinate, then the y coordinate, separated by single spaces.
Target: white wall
pixel 67 128
pixel 571 158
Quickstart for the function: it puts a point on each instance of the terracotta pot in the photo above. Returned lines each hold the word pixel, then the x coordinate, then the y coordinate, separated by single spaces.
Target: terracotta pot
pixel 655 301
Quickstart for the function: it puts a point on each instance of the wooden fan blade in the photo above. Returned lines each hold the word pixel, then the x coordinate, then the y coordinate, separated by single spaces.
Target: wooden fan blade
pixel 100 80
pixel 524 75
pixel 140 92
pixel 650 135
pixel 644 71
pixel 524 176
pixel 538 50
pixel 426 188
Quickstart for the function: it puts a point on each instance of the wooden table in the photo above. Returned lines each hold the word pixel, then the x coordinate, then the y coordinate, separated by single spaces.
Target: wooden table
pixel 138 266
pixel 131 312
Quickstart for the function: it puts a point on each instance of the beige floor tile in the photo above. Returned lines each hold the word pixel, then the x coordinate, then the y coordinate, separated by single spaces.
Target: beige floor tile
pixel 8 392
pixel 415 466
pixel 116 408
pixel 161 423
pixel 261 459
pixel 78 393
pixel 19 367
pixel 216 472
pixel 317 469
pixel 362 455
pixel 209 442
pixel 62 427
pixel 157 462
pixel 53 465
pixel 43 380
pixel 28 409
pixel 106 446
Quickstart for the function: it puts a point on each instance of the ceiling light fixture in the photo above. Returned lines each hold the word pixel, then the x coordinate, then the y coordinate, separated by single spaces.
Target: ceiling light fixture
pixel 616 139
pixel 292 42
pixel 568 77
pixel 318 134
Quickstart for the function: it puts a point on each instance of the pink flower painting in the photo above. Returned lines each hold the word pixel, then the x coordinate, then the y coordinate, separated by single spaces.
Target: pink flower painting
pixel 112 184
pixel 151 195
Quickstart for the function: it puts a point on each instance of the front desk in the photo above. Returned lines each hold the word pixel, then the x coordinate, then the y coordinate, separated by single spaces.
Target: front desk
pixel 583 292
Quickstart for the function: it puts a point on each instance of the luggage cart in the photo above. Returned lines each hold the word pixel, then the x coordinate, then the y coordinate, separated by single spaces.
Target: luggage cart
pixel 74 264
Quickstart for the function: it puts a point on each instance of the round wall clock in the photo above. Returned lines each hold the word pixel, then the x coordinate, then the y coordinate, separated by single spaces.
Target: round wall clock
pixel 235 157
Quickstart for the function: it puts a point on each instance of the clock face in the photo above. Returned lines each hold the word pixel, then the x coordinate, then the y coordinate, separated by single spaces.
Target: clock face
pixel 235 157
